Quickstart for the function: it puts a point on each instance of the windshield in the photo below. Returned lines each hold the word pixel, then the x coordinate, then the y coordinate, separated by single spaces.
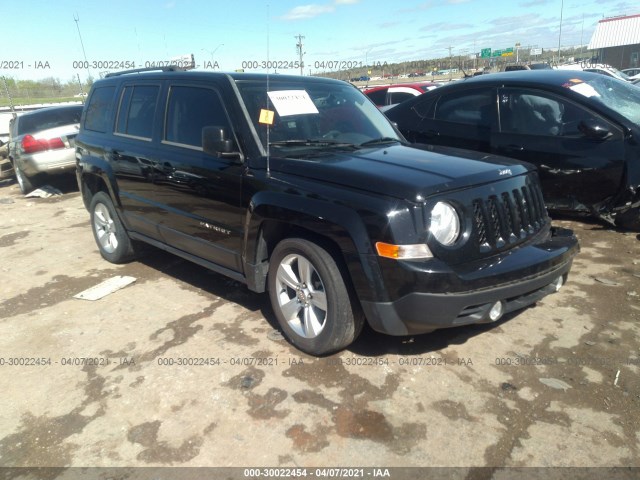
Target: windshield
pixel 612 72
pixel 302 116
pixel 620 96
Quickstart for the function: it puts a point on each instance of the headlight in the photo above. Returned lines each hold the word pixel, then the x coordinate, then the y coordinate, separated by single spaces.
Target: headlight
pixel 445 223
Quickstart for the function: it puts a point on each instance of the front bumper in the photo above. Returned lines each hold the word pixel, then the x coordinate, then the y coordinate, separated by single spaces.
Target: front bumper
pixel 442 297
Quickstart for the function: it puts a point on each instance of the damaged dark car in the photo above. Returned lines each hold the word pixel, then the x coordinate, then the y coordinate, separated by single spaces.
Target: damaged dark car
pixel 581 130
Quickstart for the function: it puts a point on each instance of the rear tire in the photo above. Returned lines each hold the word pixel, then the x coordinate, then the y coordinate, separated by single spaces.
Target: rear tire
pixel 311 299
pixel 26 184
pixel 111 237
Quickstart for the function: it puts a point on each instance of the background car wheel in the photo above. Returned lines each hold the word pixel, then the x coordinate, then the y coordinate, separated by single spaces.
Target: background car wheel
pixel 310 298
pixel 26 184
pixel 110 235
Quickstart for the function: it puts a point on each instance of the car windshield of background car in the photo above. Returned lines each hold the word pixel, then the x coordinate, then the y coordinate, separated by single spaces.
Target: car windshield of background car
pixel 622 97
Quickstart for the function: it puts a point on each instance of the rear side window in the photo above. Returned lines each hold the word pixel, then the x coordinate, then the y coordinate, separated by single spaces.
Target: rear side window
pixel 97 114
pixel 189 110
pixel 137 111
pixel 470 108
pixel 48 118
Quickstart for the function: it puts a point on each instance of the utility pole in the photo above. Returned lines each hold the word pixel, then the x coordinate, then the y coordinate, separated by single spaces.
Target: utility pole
pixel 81 89
pixel 450 64
pixel 560 32
pixel 6 90
pixel 77 19
pixel 299 47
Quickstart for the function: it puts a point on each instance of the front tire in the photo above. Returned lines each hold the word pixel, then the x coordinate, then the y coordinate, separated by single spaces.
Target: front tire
pixel 111 237
pixel 310 298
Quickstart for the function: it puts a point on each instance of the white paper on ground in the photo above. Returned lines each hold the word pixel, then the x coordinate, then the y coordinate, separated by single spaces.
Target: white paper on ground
pixel 105 288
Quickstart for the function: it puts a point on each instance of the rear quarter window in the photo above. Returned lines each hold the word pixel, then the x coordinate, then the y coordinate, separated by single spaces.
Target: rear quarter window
pixel 98 109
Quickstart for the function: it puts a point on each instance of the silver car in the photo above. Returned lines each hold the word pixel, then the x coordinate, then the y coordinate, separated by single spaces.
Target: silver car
pixel 43 142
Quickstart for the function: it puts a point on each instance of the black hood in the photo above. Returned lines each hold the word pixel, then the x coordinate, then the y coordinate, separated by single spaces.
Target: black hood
pixel 401 171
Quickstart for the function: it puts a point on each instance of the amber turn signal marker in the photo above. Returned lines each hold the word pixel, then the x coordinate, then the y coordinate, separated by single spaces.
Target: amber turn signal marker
pixel 399 252
pixel 387 250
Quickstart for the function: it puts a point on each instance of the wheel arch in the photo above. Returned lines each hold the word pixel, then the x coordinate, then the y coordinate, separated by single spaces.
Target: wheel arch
pixel 336 228
pixel 96 175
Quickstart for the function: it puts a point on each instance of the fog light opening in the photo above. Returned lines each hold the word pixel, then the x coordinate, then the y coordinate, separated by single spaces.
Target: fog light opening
pixel 496 311
pixel 558 283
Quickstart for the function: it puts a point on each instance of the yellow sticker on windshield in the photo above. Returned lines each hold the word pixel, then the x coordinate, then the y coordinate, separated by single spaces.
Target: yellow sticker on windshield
pixel 266 116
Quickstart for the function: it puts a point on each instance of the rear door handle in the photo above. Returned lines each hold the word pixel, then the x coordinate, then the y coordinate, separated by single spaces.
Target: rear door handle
pixel 116 155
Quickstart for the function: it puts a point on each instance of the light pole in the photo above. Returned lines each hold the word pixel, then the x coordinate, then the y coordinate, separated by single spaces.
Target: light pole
pixel 76 18
pixel 560 31
pixel 366 63
pixel 212 52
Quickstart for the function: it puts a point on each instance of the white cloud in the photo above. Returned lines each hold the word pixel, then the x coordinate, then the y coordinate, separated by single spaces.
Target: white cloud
pixel 345 2
pixel 307 11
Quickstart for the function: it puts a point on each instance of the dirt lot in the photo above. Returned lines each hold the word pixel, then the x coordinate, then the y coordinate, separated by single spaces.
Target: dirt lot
pixel 184 367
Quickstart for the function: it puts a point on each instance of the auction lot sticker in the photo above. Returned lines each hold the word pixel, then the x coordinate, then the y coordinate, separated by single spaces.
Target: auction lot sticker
pixel 292 102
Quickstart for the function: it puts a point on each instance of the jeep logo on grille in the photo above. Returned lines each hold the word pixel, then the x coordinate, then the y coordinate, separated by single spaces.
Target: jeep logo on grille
pixel 505 171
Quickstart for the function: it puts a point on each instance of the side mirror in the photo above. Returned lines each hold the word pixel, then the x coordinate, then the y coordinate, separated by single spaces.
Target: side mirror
pixel 594 130
pixel 215 142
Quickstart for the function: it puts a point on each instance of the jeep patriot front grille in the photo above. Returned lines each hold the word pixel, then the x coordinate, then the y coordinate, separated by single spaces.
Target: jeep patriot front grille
pixel 508 218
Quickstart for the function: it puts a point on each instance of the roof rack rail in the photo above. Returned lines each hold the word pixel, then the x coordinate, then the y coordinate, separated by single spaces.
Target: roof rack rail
pixel 168 68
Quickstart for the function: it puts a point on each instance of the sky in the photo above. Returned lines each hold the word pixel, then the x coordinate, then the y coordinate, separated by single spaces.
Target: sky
pixel 42 38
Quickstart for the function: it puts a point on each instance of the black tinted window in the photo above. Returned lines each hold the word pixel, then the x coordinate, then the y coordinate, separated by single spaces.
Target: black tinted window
pixel 189 110
pixel 424 107
pixel 378 97
pixel 137 110
pixel 97 115
pixel 471 108
pixel 398 97
pixel 125 98
pixel 529 112
pixel 48 118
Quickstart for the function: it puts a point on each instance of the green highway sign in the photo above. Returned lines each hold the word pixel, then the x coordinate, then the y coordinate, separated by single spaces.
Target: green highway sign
pixel 485 53
pixel 507 52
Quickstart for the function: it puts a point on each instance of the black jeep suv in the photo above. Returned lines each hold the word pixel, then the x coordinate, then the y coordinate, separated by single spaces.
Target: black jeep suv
pixel 301 187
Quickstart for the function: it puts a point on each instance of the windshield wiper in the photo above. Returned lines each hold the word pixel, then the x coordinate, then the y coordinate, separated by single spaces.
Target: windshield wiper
pixel 309 143
pixel 377 141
